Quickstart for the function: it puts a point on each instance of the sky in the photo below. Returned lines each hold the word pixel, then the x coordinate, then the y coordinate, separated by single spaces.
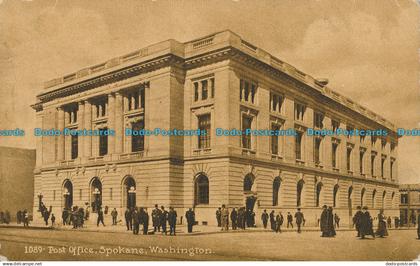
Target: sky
pixel 369 50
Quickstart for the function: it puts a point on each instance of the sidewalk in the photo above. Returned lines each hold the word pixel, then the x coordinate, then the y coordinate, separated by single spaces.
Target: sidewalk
pixel 180 229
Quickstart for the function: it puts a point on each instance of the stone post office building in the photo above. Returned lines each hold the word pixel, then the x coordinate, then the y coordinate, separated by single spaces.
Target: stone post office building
pixel 218 81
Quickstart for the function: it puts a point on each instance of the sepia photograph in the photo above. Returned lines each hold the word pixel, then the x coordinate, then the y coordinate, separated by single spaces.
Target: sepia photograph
pixel 136 131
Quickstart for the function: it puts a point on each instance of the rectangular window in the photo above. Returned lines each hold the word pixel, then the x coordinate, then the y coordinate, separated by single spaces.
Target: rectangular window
pixel 298 145
pixel 319 120
pixel 372 165
pixel 391 168
pixel 299 111
pixel 101 108
pixel 317 148
pixel 373 140
pixel 349 150
pixel 392 147
pixel 335 125
pixel 246 138
pixel 362 154
pixel 334 155
pixel 404 198
pixel 248 91
pixel 362 139
pixel 275 140
pixel 137 141
pixel 103 142
pixel 383 144
pixel 204 124
pixel 276 102
pixel 382 166
pixel 350 130
pixel 74 146
pixel 142 98
pixel 205 90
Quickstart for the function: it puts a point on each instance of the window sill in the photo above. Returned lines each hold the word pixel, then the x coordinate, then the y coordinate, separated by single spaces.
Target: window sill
pixel 203 151
pixel 350 172
pixel 336 169
pixel 132 155
pixel 248 152
pixel 276 157
pixel 300 162
pixel 319 165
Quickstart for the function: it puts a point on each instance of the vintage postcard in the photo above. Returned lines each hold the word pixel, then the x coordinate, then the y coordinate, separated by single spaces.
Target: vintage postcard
pixel 209 130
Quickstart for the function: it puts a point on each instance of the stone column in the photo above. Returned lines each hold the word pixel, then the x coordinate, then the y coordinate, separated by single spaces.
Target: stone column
pixel 111 122
pixel 87 145
pixel 119 134
pixel 60 142
pixel 80 122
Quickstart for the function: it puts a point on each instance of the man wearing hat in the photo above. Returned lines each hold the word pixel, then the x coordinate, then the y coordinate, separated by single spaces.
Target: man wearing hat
pixel 356 219
pixel 299 219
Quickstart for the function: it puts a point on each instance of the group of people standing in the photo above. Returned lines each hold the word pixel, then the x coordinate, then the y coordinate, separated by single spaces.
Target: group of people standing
pixel 134 217
pixel 276 221
pixel 363 222
pixel 5 217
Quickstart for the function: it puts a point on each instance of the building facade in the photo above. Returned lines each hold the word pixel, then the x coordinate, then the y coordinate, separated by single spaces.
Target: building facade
pixel 410 203
pixel 218 81
pixel 16 180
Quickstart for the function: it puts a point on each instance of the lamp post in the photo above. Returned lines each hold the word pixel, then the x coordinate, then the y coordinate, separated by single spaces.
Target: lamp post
pixel 66 195
pixel 40 196
pixel 96 194
pixel 131 197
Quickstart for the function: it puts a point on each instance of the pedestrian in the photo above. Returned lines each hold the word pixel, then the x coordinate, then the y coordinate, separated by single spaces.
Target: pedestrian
pixel 100 217
pixel 145 222
pixel 234 218
pixel 114 215
pixel 225 218
pixel 25 216
pixel 357 219
pixel 381 231
pixel 75 217
pixel 324 222
pixel 241 218
pixel 19 217
pixel 81 217
pixel 64 216
pixel 418 224
pixel 272 221
pixel 136 221
pixel 330 222
pixel 128 219
pixel 366 226
pixel 190 216
pixel 264 218
pixel 336 220
pixel 163 219
pixel 289 220
pixel 389 222
pixel 279 222
pixel 172 221
pixel 156 218
pixel 87 213
pixel 219 217
pixel 46 216
pixel 299 219
pixel 52 220
pixel 252 219
pixel 7 217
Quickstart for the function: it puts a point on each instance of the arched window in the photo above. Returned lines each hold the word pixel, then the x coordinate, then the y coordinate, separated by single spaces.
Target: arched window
pixel 67 194
pixel 201 190
pixel 362 197
pixel 96 194
pixel 383 199
pixel 129 192
pixel 318 194
pixel 374 198
pixel 276 189
pixel 335 192
pixel 248 182
pixel 299 190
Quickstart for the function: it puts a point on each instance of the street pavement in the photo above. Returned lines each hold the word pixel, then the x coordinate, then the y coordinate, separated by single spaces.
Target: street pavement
pixel 252 244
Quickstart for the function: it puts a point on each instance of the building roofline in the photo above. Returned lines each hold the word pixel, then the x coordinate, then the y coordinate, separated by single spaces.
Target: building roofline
pixel 196 47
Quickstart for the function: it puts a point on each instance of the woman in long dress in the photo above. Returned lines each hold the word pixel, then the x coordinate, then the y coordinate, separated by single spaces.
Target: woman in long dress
pixel 381 231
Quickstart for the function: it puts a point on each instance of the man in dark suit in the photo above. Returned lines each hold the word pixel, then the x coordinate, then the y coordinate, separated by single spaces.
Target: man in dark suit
pixel 272 221
pixel 145 221
pixel 172 220
pixel 100 217
pixel 357 218
pixel 190 216
pixel 156 218
pixel 128 219
pixel 234 218
pixel 289 220
pixel 264 218
pixel 418 225
pixel 163 219
pixel 219 217
pixel 299 219
pixel 136 221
